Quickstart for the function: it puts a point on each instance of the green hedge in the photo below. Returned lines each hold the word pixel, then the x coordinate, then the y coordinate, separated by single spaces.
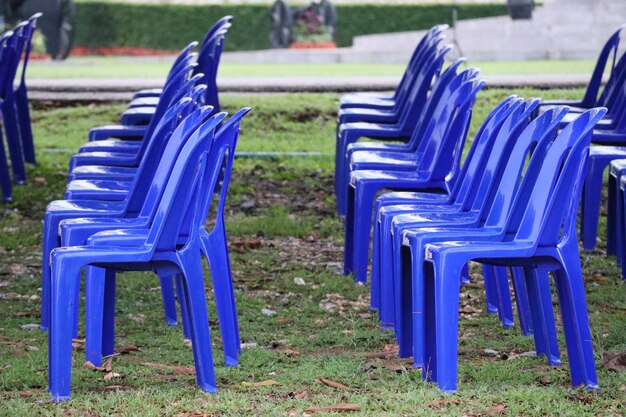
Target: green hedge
pixel 169 27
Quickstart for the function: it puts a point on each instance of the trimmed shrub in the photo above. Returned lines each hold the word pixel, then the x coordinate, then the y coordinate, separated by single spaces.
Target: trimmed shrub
pixel 171 26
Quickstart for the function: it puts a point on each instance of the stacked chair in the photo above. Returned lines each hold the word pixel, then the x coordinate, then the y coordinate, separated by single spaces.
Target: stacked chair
pixel 510 206
pixel 15 47
pixel 138 198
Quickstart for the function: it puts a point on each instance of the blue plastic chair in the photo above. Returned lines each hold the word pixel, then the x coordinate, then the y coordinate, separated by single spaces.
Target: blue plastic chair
pixel 213 246
pixel 378 101
pixel 398 156
pixel 439 159
pixel 130 207
pixel 543 238
pixel 170 244
pixel 487 147
pixel 490 206
pixel 495 212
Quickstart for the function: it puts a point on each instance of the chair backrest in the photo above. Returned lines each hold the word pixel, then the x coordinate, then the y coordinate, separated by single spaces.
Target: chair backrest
pixel 481 148
pixel 441 149
pixel 447 82
pixel 219 169
pixel 186 131
pixel 9 60
pixel 223 22
pixel 413 65
pixel 27 34
pixel 151 159
pixel 421 62
pixel 182 191
pixel 482 191
pixel 613 88
pixel 520 173
pixel 414 101
pixel 182 56
pixel 550 214
pixel 210 65
pixel 609 50
pixel 188 88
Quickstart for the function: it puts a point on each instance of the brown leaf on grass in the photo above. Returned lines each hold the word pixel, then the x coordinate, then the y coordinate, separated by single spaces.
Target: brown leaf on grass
pixel 110 375
pixel 336 407
pixel 183 370
pixel 614 361
pixel 107 366
pixel 496 409
pixel 26 394
pixel 266 383
pixel 331 383
pixel 470 310
pixel 78 344
pixel 394 367
pixel 27 314
pixel 113 388
pixel 128 349
pixel 288 352
pixel 545 380
pixel 284 320
pixel 388 350
pixel 442 403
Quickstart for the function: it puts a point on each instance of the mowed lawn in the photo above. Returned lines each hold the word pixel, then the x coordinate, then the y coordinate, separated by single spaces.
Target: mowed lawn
pixel 128 67
pixel 323 346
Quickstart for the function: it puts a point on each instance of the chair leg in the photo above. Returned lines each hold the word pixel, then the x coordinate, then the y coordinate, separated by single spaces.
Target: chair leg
pixel 49 242
pixel 5 176
pixel 377 257
pixel 64 286
pixel 521 300
pixel 216 250
pixel 348 226
pixel 491 295
pixel 169 299
pixel 505 309
pixel 446 291
pixel 23 118
pixel 571 292
pixel 590 210
pixel 108 313
pixel 542 314
pixel 362 225
pixel 611 216
pixel 387 282
pixel 184 308
pixel 619 224
pixel 13 140
pixel 193 291
pixel 404 325
pixel 94 313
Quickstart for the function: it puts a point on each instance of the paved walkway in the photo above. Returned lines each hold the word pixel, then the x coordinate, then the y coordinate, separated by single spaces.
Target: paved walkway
pixel 121 89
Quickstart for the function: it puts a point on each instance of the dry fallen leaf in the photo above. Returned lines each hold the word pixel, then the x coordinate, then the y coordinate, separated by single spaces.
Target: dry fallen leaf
pixel 331 383
pixel 336 407
pixel 289 352
pixel 128 349
pixel 496 409
pixel 545 380
pixel 26 394
pixel 265 383
pixel 441 403
pixel 183 370
pixel 107 366
pixel 614 361
pixel 78 344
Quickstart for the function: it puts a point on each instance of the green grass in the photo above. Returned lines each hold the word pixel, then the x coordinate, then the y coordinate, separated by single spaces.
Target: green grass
pixel 289 231
pixel 96 67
